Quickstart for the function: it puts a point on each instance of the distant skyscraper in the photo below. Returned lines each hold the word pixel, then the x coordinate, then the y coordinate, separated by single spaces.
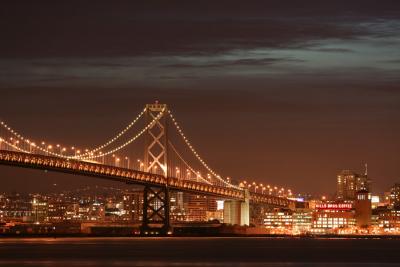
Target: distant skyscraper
pixel 394 197
pixel 349 182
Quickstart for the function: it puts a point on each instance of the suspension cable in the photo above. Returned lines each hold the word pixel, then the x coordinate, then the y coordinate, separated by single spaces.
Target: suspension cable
pixel 22 138
pixel 159 115
pixel 115 138
pixel 179 129
pixel 187 165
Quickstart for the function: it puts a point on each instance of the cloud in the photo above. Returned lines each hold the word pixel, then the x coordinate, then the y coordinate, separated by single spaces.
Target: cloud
pixel 394 61
pixel 238 62
pixel 79 29
pixel 334 50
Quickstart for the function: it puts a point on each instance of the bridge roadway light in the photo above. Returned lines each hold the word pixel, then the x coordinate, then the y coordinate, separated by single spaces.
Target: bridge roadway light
pixel 32 144
pixel 102 156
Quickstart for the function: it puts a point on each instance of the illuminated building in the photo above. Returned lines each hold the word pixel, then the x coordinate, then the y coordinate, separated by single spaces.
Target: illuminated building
pixel 217 215
pixel 349 182
pixel 279 218
pixel 302 220
pixel 57 211
pixel 177 207
pixel 394 197
pixel 375 201
pixel 14 207
pixel 92 212
pixel 330 217
pixel 39 210
pixel 197 207
pixel 387 219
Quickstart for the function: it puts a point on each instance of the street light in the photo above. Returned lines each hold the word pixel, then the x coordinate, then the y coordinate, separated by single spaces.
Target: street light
pixel 140 164
pixel 31 145
pixel 127 159
pixel 49 148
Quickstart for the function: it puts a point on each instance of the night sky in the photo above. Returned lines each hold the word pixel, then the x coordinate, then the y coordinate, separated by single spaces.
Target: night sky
pixel 281 92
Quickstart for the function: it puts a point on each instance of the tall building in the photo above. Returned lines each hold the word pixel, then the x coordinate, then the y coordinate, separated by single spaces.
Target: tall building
pixel 363 210
pixel 394 197
pixel 349 182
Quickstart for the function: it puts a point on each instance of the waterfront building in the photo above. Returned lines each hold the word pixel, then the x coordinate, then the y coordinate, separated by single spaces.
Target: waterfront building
pixel 279 219
pixel 386 219
pixel 333 217
pixel 302 220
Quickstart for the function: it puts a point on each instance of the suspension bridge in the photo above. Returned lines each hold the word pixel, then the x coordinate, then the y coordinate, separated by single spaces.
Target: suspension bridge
pixel 152 151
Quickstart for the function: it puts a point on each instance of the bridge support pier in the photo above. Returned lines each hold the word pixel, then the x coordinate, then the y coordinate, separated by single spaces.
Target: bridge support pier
pixel 237 211
pixel 155 211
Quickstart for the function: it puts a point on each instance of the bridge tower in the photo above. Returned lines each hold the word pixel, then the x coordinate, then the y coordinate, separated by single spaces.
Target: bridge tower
pixel 156 206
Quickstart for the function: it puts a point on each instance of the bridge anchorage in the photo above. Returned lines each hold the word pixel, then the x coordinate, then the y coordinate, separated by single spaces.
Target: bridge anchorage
pixel 169 163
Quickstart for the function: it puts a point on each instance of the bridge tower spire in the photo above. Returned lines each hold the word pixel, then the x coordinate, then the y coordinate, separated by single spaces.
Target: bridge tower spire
pixel 156 206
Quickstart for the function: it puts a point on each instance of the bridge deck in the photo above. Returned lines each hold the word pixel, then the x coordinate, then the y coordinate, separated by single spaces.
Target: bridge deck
pixel 130 176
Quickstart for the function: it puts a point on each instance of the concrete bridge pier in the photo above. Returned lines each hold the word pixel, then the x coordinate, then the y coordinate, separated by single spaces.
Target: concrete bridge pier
pixel 237 211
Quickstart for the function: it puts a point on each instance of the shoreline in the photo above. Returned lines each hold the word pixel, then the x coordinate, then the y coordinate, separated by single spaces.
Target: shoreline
pixel 33 236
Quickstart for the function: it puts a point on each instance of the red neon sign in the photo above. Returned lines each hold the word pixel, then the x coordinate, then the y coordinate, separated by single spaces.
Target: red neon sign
pixel 334 206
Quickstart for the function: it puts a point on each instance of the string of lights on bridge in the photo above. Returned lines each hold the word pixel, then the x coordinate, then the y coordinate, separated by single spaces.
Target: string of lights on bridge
pixel 195 152
pixel 265 189
pixel 25 145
